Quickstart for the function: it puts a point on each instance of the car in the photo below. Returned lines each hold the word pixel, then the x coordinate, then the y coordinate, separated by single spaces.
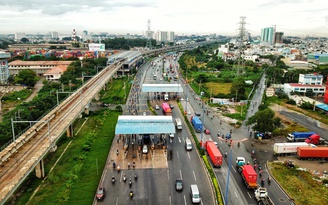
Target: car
pixel 145 149
pixel 189 112
pixel 101 193
pixel 171 135
pixel 178 185
pixel 171 106
pixel 156 107
pixel 207 131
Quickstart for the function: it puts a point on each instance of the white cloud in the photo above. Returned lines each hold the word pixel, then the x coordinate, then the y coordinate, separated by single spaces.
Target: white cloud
pixel 182 16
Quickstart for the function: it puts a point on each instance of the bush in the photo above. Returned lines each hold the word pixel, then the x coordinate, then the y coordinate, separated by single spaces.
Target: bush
pixel 291 102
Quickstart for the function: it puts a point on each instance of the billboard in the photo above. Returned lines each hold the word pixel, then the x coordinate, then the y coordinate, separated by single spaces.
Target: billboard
pixel 96 47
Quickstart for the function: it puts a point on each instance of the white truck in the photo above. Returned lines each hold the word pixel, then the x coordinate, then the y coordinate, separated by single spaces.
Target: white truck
pixel 262 197
pixel 178 123
pixel 289 148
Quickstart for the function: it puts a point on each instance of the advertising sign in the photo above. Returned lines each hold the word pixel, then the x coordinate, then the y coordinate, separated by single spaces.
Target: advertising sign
pixel 96 47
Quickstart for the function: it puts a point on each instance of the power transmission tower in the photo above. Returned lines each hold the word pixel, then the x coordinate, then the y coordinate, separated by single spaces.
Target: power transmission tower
pixel 240 40
pixel 148 43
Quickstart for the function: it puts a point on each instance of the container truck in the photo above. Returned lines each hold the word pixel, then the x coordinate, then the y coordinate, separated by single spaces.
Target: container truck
pixel 197 123
pixel 262 197
pixel 288 148
pixel 317 140
pixel 312 153
pixel 214 153
pixel 249 175
pixel 299 136
pixel 240 161
pixel 166 109
pixel 178 123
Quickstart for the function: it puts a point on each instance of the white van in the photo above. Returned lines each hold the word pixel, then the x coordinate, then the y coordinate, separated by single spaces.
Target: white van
pixel 188 144
pixel 194 194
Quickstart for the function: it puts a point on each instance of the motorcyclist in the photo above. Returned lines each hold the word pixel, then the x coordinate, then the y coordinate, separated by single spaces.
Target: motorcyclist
pixel 225 154
pixel 135 176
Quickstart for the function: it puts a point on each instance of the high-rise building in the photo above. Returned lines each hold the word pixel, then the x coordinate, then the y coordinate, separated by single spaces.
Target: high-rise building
pixel 54 35
pixel 19 36
pixel 4 71
pixel 85 32
pixel 267 36
pixel 171 36
pixel 279 36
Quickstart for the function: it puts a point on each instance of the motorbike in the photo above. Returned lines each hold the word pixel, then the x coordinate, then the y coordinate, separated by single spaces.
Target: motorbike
pixel 269 180
pixel 118 169
pixel 262 181
pixel 113 179
pixel 135 177
pixel 131 194
pixel 238 144
pixel 225 155
pixel 130 183
pixel 124 178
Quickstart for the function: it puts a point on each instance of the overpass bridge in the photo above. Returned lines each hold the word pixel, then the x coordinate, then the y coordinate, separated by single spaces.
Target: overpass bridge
pixel 24 154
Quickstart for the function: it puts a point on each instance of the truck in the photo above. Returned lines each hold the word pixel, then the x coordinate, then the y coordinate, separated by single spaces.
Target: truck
pixel 316 140
pixel 312 153
pixel 288 148
pixel 249 176
pixel 299 136
pixel 198 125
pixel 262 197
pixel 178 123
pixel 240 161
pixel 166 109
pixel 214 153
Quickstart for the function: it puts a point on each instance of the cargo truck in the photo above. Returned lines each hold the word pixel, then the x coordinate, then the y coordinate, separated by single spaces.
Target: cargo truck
pixel 299 136
pixel 166 109
pixel 214 153
pixel 198 125
pixel 289 148
pixel 312 153
pixel 262 197
pixel 249 176
pixel 317 140
pixel 178 123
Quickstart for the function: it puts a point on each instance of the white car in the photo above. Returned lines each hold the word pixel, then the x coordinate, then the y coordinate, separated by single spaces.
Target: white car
pixel 156 107
pixel 145 149
pixel 171 135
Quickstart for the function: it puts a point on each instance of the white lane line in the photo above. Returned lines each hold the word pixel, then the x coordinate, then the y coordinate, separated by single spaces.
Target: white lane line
pixel 184 197
pixel 249 195
pixel 234 169
pixel 194 175
pixel 179 139
pixel 236 195
pixel 168 174
pixel 177 155
pixel 188 155
pixel 170 200
pixel 116 201
pixel 180 174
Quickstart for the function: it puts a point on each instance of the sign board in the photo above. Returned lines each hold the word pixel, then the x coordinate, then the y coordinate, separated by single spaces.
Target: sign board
pixel 96 47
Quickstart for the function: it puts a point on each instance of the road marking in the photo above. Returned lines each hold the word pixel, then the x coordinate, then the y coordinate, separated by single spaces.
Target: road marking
pixel 180 174
pixel 168 174
pixel 121 177
pixel 116 200
pixel 170 200
pixel 179 139
pixel 177 155
pixel 234 169
pixel 236 194
pixel 188 155
pixel 184 197
pixel 223 170
pixel 249 195
pixel 194 175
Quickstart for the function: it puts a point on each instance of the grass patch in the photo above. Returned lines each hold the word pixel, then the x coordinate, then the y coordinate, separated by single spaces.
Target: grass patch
pixel 216 88
pixel 117 97
pixel 299 185
pixel 75 179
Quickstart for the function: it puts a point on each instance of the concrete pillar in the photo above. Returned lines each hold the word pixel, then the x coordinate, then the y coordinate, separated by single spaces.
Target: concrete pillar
pixel 97 96
pixel 86 110
pixel 39 169
pixel 69 131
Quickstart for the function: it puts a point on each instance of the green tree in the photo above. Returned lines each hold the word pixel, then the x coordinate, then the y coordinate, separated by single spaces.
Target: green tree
pixel 27 77
pixel 264 121
pixel 238 86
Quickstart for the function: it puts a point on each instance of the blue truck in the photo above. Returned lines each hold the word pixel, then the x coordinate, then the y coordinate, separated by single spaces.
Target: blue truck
pixel 195 121
pixel 299 136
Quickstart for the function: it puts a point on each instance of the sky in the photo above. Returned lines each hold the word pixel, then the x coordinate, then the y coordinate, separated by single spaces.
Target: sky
pixel 184 17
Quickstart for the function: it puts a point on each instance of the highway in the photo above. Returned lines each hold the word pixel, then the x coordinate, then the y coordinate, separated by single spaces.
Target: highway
pixel 156 179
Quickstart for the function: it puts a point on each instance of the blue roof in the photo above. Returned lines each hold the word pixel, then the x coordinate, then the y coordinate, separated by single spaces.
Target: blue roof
pixel 131 124
pixel 323 107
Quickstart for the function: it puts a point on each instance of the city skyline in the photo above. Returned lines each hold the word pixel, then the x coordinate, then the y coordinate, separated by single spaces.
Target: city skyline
pixel 293 17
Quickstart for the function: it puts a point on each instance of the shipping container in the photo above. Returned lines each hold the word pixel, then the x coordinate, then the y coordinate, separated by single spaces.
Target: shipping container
pixel 312 152
pixel 289 148
pixel 214 153
pixel 249 175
